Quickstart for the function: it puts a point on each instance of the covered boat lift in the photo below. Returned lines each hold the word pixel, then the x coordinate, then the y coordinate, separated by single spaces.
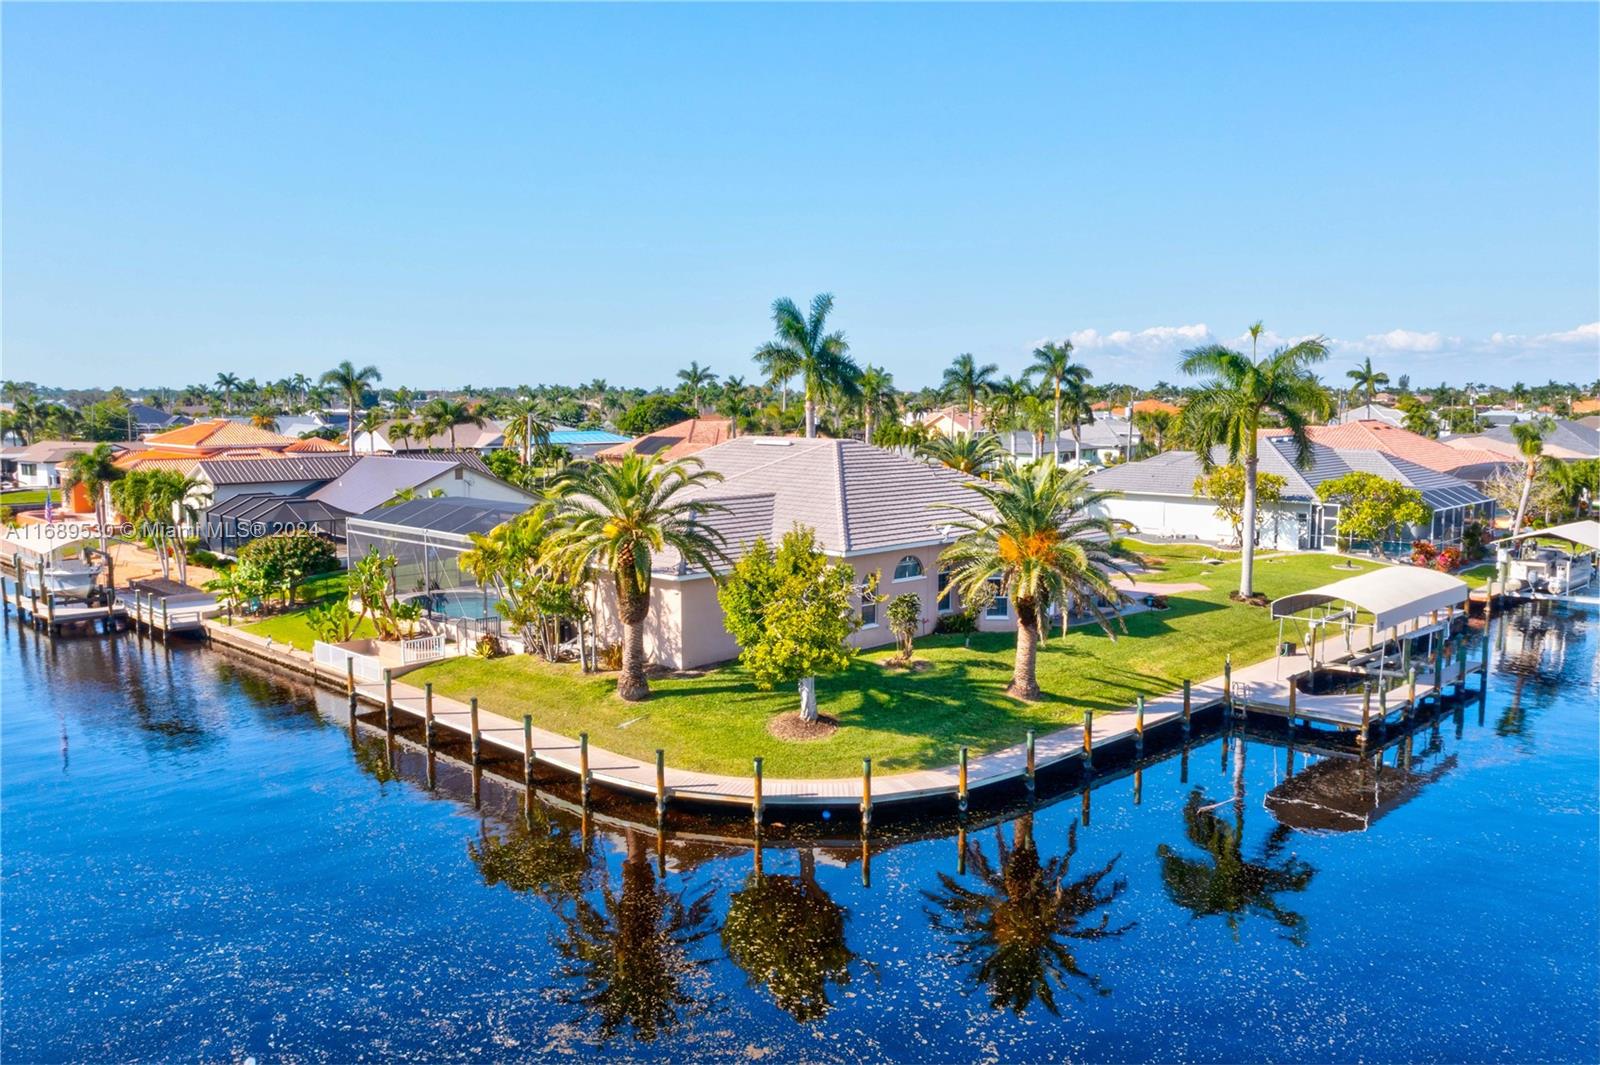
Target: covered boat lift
pixel 38 557
pixel 1548 569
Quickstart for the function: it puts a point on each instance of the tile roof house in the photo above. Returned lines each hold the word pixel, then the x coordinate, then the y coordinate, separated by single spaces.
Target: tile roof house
pixel 36 465
pixel 877 510
pixel 1370 412
pixel 950 420
pixel 1140 406
pixel 1469 463
pixel 1156 496
pixel 1567 440
pixel 674 441
pixel 490 436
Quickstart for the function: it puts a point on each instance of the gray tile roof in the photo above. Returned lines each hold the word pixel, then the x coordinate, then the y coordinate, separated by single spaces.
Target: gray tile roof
pixel 858 498
pixel 1566 434
pixel 323 467
pixel 374 479
pixel 446 515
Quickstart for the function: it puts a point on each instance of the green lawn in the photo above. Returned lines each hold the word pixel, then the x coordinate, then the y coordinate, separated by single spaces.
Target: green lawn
pixel 1477 576
pixel 717 721
pixel 292 628
pixel 24 495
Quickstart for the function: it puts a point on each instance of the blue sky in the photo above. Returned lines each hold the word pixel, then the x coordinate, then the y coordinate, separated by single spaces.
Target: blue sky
pixel 495 195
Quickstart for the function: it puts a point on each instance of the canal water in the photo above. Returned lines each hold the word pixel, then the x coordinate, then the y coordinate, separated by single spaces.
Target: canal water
pixel 200 863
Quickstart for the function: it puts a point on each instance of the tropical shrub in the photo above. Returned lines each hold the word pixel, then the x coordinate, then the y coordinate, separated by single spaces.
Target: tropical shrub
pixel 651 413
pixel 284 558
pixel 1224 486
pixel 332 622
pixel 1370 507
pixel 1448 559
pixel 905 617
pixel 1423 552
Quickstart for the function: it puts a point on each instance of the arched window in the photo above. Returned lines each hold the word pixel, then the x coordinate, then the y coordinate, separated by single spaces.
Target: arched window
pixel 908 568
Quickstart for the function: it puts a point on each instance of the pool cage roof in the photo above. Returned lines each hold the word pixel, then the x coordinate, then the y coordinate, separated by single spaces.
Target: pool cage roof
pixel 449 516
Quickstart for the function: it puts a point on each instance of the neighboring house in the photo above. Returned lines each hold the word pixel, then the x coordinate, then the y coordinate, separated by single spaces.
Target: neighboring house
pixel 673 442
pixel 468 437
pixel 1156 497
pixel 148 419
pixel 1567 440
pixel 1472 464
pixel 1581 407
pixel 1370 412
pixel 1140 406
pixel 426 538
pixel 1105 440
pixel 1499 417
pixel 585 443
pixel 951 421
pixel 36 465
pixel 183 448
pixel 875 509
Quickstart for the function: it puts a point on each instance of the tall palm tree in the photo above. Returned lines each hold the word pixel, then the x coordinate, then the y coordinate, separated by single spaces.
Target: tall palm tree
pixel 442 415
pixel 1053 363
pixel 227 384
pixel 803 346
pixel 877 397
pixel 1238 394
pixel 1004 403
pixel 351 382
pixel 1034 415
pixel 95 470
pixel 1034 539
pixel 1529 437
pixel 630 949
pixel 1577 483
pixel 402 433
pixel 787 934
pixel 526 426
pixel 617 516
pixel 965 379
pixel 694 379
pixel 1367 379
pixel 1158 424
pixel 964 454
pixel 1077 409
pixel 1019 925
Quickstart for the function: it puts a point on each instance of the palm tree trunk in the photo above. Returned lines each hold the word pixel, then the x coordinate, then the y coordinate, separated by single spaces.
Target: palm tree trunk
pixel 350 424
pixel 1247 532
pixel 1077 444
pixel 633 604
pixel 1024 672
pixel 811 414
pixel 1055 441
pixel 1522 501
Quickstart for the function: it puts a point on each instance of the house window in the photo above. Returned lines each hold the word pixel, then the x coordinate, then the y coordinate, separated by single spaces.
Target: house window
pixel 27 469
pixel 946 603
pixel 908 568
pixel 869 604
pixel 1000 606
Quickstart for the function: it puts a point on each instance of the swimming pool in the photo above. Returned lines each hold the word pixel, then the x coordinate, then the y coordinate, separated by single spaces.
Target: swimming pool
pixel 199 860
pixel 471 603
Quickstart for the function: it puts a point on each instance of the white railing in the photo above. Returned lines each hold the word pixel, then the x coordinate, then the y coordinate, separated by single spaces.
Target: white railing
pixel 366 667
pixel 421 649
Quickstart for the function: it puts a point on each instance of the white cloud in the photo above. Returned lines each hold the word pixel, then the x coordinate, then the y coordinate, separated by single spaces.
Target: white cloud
pixel 1157 339
pixel 1404 340
pixel 1583 338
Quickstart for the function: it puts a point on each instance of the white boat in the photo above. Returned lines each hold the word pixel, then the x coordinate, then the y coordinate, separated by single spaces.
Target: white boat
pixel 1552 570
pixel 68 576
pixel 1576 572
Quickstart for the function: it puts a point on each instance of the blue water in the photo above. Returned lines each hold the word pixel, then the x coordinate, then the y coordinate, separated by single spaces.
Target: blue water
pixel 469 603
pixel 198 862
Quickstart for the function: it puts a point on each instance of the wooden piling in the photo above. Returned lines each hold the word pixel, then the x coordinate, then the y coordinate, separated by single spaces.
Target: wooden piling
pixel 961 787
pixel 527 751
pixel 1227 680
pixel 350 676
pixel 1294 689
pixel 1186 700
pixel 583 765
pixel 1138 726
pixel 661 783
pixel 165 625
pixel 50 612
pixel 1411 693
pixel 33 609
pixel 427 713
pixel 388 699
pixel 1138 786
pixel 755 794
pixel 1366 713
pixel 1031 762
pixel 477 734
pixel 866 793
pixel 1088 739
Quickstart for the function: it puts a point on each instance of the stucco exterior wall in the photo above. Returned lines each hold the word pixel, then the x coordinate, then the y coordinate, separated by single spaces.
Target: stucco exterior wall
pixel 1185 516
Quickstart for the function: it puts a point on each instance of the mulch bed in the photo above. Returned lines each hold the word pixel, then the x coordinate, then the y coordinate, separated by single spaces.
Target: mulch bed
pixel 916 665
pixel 789 727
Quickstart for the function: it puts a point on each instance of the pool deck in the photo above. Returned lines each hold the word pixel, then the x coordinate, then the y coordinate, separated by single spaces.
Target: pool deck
pixel 1260 687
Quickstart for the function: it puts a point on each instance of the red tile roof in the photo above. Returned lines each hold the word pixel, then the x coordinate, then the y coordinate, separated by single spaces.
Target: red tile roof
pixel 218 433
pixel 674 441
pixel 1399 442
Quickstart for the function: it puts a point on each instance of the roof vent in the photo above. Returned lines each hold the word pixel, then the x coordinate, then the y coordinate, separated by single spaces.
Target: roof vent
pixel 770 441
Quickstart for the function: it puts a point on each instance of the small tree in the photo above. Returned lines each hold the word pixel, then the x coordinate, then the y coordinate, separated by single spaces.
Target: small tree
pixel 1224 486
pixel 1370 506
pixel 792 612
pixel 905 617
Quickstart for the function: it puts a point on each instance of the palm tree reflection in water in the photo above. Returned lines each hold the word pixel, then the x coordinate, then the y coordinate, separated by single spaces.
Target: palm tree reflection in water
pixel 1018 926
pixel 1224 881
pixel 537 856
pixel 630 950
pixel 787 933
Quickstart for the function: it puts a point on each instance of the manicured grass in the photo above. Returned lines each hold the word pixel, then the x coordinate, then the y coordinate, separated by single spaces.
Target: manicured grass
pixel 716 721
pixel 1477 576
pixel 24 495
pixel 292 628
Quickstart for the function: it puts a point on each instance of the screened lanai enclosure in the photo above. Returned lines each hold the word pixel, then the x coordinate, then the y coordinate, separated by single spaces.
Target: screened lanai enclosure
pixel 427 538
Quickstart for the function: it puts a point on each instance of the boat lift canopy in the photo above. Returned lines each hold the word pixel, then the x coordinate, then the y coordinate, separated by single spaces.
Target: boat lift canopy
pixel 47 539
pixel 1584 533
pixel 1391 595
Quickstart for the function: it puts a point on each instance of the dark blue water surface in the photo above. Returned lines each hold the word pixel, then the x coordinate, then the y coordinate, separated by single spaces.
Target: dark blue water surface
pixel 200 863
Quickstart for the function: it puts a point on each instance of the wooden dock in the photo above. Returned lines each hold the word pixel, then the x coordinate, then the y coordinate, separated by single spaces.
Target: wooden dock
pixel 143 608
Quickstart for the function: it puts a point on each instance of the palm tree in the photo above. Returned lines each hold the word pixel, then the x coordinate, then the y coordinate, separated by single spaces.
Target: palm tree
pixel 1034 415
pixel 537 856
pixel 372 420
pixel 1018 926
pixel 442 415
pixel 1229 411
pixel 1225 882
pixel 1156 423
pixel 1529 437
pixel 1034 540
pixel 401 433
pixel 965 379
pixel 95 470
pixel 1053 363
pixel 734 403
pixel 526 426
pixel 877 397
pixel 803 346
pixel 1004 403
pixel 1577 483
pixel 787 934
pixel 630 948
pixel 617 516
pixel 964 454
pixel 227 384
pixel 352 383
pixel 1077 408
pixel 694 379
pixel 1367 379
